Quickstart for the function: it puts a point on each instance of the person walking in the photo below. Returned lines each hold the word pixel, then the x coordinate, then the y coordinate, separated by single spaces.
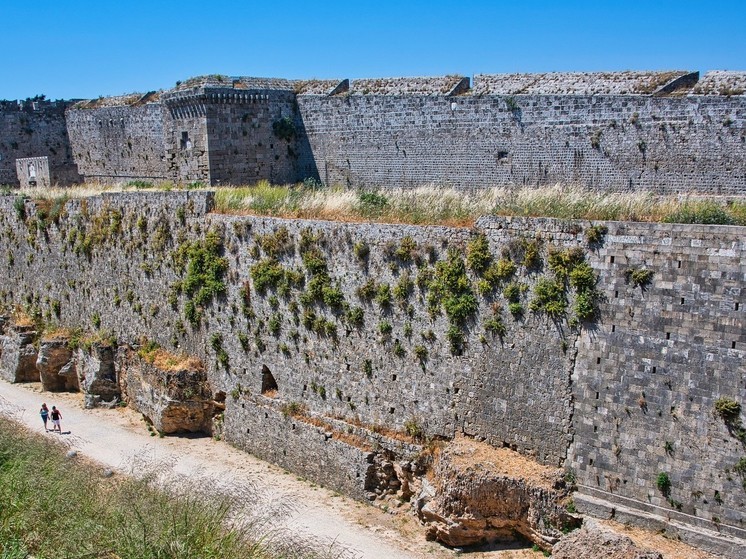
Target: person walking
pixel 44 413
pixel 56 416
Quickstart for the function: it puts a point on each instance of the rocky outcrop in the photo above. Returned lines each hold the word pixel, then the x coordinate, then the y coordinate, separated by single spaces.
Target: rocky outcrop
pixel 479 494
pixel 18 354
pixel 97 374
pixel 594 541
pixel 56 365
pixel 172 392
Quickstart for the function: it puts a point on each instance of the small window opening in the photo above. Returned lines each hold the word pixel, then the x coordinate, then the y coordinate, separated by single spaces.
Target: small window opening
pixel 186 143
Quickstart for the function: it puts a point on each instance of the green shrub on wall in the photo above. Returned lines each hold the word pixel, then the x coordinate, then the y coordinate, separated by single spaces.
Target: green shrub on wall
pixel 284 128
pixel 204 269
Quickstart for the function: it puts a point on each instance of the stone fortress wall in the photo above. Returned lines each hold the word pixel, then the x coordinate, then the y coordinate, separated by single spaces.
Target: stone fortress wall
pixel 119 138
pixel 617 402
pixel 36 128
pixel 671 132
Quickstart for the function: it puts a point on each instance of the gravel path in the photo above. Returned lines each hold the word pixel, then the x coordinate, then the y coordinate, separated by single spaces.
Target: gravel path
pixel 301 511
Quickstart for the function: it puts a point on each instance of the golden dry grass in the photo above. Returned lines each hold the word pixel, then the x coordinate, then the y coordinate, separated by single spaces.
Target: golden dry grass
pixel 167 361
pixel 434 205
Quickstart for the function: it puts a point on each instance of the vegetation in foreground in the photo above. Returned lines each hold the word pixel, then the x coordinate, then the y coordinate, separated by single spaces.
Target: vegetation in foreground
pixel 54 507
pixel 445 206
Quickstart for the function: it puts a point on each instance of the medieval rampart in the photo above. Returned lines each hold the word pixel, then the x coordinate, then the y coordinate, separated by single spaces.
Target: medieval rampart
pixel 667 132
pixel 119 142
pixel 604 142
pixel 33 129
pixel 335 337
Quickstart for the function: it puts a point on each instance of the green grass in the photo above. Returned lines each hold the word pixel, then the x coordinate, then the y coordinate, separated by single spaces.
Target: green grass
pixel 55 508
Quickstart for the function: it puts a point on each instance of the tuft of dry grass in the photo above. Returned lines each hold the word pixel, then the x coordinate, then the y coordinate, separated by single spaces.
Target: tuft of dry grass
pixel 165 360
pixel 19 317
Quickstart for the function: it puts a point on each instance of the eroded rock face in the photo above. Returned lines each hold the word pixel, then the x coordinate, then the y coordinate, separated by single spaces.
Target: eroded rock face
pixel 56 365
pixel 479 494
pixel 175 399
pixel 389 476
pixel 18 354
pixel 594 541
pixel 97 375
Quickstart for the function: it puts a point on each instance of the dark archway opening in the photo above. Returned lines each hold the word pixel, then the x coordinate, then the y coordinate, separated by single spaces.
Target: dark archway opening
pixel 269 384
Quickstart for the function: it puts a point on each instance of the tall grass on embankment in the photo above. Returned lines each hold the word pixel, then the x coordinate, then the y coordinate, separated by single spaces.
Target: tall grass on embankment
pixel 444 206
pixel 55 507
pixel 448 206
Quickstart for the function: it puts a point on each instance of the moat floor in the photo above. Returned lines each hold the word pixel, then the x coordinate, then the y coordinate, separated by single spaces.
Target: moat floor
pixel 119 439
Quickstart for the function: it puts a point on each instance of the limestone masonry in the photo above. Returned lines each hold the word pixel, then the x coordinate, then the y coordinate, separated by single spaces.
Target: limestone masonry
pixel 669 132
pixel 337 350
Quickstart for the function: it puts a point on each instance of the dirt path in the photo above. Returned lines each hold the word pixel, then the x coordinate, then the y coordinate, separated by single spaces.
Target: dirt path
pixel 118 439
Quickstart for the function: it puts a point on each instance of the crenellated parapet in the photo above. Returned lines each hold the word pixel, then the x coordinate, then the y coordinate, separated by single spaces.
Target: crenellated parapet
pixel 666 132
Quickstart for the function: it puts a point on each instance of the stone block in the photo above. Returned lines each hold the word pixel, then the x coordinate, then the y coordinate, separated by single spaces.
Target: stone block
pixel 98 375
pixel 172 392
pixel 56 365
pixel 18 354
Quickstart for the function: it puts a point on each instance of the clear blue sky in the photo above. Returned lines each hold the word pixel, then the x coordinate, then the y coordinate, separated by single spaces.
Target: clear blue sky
pixel 83 49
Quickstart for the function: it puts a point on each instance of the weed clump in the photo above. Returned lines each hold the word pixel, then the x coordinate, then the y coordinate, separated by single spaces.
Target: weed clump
pixel 205 267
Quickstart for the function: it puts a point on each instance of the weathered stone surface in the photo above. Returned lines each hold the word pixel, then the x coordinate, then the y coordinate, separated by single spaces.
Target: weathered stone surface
pixel 56 365
pixel 594 541
pixel 97 375
pixel 479 494
pixel 175 396
pixel 18 354
pixel 346 457
pixel 36 128
pixel 602 130
pixel 561 395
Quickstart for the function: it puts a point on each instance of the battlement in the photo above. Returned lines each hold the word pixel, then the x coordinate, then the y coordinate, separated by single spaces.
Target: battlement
pixel 445 85
pixel 35 104
pixel 667 132
pixel 235 82
pixel 320 87
pixel 574 83
pixel 128 100
pixel 721 82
